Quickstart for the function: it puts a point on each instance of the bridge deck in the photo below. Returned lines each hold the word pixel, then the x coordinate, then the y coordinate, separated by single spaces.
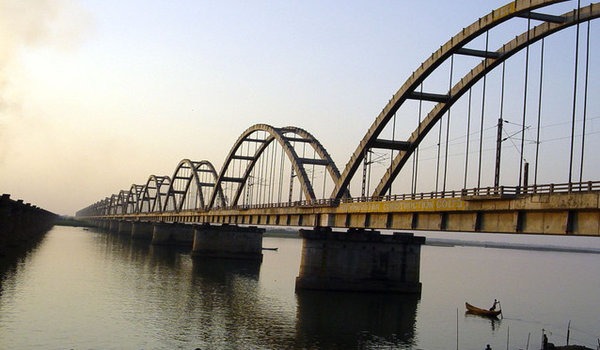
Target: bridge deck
pixel 572 213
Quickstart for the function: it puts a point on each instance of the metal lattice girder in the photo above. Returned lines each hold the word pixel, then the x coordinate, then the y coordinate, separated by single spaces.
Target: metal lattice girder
pixel 409 89
pixel 243 157
pixel 114 203
pixel 477 53
pixel 425 96
pixel 154 194
pixel 285 141
pixel 390 144
pixel 478 72
pixel 133 200
pixel 543 17
pixel 194 167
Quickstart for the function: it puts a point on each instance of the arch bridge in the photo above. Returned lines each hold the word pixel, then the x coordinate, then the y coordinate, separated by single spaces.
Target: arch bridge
pixel 494 132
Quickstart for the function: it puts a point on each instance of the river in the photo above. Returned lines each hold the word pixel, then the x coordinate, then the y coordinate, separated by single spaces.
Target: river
pixel 86 289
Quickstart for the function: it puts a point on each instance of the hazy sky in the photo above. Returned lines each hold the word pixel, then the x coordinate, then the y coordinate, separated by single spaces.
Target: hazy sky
pixel 98 94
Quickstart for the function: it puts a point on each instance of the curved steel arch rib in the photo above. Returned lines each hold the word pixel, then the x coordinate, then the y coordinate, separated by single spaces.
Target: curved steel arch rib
pixel 153 195
pixel 285 141
pixel 114 203
pixel 408 90
pixel 133 199
pixel 318 147
pixel 195 168
pixel 122 199
pixel 506 51
pixel 98 208
pixel 104 206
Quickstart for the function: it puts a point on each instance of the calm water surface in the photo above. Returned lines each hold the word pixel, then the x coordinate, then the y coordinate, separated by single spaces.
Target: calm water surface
pixel 91 290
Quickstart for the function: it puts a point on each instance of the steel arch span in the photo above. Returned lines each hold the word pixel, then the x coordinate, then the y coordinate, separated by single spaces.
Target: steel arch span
pixel 134 198
pixel 154 194
pixel 261 136
pixel 104 205
pixel 115 203
pixel 188 186
pixel 456 45
pixel 505 52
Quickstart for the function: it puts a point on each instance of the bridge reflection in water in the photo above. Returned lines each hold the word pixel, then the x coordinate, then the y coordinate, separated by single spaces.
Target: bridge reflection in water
pixel 227 303
pixel 337 320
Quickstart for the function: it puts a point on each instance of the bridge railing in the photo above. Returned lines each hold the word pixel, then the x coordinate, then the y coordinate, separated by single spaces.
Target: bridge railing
pixel 467 193
pixel 327 202
pixel 491 192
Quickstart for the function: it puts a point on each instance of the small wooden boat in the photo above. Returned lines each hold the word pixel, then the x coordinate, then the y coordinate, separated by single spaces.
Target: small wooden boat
pixel 482 312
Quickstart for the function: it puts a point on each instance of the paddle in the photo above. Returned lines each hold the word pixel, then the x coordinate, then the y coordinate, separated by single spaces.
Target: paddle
pixel 500 306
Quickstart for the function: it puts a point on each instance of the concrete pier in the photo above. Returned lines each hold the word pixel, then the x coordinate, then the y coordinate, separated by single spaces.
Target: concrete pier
pixel 359 260
pixel 142 230
pixel 113 226
pixel 21 224
pixel 173 234
pixel 124 227
pixel 228 241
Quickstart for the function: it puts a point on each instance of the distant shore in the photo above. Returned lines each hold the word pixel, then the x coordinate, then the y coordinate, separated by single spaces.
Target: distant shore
pixel 501 245
pixel 69 221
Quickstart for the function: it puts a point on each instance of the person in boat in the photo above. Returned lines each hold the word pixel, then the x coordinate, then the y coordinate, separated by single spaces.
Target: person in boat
pixel 488 347
pixel 493 308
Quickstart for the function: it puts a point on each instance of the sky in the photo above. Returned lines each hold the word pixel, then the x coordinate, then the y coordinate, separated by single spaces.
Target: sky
pixel 96 95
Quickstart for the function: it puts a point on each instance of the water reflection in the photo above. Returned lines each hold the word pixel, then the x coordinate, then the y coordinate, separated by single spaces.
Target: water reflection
pixel 222 303
pixel 348 320
pixel 494 321
pixel 200 302
pixel 235 314
pixel 87 289
pixel 224 271
pixel 14 257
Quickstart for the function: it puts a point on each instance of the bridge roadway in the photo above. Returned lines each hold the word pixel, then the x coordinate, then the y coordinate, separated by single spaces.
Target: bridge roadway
pixel 544 209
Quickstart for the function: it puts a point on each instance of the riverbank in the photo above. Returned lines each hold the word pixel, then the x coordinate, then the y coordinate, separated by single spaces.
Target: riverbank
pixel 21 224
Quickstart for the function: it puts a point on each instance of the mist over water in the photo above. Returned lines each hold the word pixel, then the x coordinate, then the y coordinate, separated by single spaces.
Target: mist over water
pixel 87 289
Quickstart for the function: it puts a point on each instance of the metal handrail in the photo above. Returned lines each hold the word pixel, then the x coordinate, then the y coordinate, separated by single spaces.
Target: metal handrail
pixel 467 193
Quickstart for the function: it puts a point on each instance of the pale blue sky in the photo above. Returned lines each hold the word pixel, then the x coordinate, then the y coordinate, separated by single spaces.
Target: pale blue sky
pixel 99 94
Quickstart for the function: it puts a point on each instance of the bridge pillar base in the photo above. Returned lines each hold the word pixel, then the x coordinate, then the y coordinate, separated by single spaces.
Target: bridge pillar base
pixel 228 241
pixel 176 234
pixel 124 227
pixel 113 226
pixel 142 230
pixel 360 261
pixel 104 225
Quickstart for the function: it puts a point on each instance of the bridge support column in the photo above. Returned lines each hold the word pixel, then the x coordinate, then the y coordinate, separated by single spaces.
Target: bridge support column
pixel 124 227
pixel 142 230
pixel 228 241
pixel 358 260
pixel 172 234
pixel 103 224
pixel 113 226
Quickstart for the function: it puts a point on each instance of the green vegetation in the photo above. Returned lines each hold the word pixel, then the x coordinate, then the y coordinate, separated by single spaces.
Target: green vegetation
pixel 70 221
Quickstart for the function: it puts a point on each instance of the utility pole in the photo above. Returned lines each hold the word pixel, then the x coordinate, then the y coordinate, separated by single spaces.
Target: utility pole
pixel 498 153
